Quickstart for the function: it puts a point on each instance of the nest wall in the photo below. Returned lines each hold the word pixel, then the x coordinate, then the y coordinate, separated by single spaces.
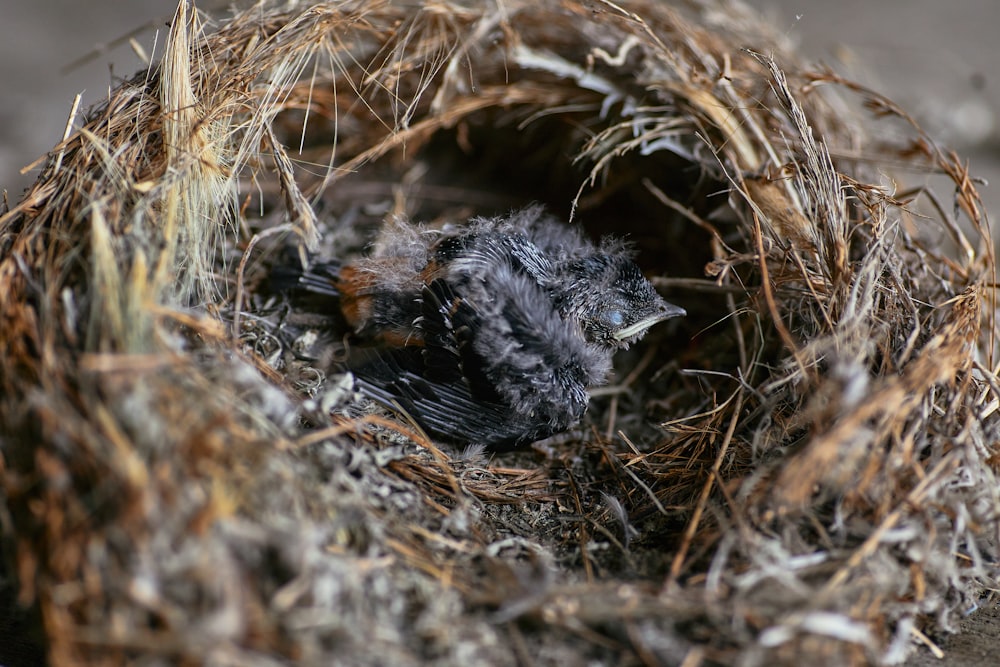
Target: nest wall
pixel 804 468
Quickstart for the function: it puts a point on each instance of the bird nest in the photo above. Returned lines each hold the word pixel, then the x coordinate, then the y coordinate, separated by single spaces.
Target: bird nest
pixel 803 468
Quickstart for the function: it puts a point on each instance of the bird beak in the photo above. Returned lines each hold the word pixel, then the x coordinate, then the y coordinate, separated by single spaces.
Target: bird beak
pixel 667 311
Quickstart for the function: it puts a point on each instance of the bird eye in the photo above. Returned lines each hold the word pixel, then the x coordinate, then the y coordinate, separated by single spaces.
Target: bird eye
pixel 615 317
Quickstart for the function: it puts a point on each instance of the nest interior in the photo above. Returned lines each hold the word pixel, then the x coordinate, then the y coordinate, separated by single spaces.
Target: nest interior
pixel 803 468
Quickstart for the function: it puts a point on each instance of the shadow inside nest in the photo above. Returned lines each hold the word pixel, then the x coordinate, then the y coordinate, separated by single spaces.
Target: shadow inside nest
pixel 489 165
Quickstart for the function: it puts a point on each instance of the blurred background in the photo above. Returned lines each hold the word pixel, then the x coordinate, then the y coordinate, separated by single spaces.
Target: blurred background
pixel 937 59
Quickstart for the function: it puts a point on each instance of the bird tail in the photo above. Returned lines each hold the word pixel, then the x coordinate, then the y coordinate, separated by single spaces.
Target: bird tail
pixel 317 280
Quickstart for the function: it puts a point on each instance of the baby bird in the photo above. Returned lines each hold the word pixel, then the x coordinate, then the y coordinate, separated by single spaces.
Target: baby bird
pixel 491 332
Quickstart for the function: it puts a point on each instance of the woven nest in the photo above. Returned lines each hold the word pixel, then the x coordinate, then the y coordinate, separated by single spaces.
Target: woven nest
pixel 803 469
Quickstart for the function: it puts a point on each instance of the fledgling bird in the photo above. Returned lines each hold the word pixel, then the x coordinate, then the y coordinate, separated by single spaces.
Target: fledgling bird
pixel 491 332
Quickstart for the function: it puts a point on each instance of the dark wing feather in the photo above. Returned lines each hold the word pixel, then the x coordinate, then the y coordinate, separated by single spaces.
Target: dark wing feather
pixel 441 384
pixel 447 411
pixel 446 324
pixel 320 278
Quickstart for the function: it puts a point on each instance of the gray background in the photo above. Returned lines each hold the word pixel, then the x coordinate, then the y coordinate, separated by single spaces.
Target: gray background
pixel 937 59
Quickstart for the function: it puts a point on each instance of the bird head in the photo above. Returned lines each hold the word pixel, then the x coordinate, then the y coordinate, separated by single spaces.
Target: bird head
pixel 611 299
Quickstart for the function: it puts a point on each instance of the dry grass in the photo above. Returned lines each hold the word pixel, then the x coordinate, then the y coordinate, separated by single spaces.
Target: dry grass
pixel 803 469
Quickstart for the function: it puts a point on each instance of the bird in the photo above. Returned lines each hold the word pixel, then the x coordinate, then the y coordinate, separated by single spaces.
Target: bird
pixel 491 332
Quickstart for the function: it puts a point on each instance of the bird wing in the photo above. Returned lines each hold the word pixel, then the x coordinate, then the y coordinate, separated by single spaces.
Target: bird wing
pixel 319 279
pixel 441 384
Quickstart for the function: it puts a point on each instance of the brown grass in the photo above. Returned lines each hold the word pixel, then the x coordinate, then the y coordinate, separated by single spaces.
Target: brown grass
pixel 803 469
